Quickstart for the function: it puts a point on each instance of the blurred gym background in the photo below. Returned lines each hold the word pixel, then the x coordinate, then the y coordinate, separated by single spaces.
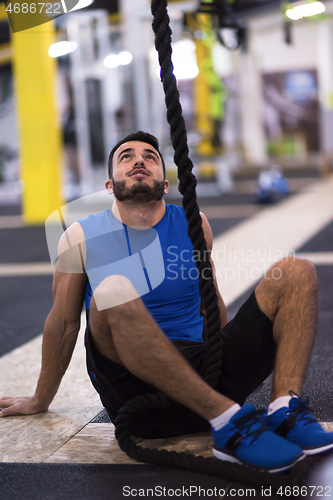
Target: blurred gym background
pixel 255 78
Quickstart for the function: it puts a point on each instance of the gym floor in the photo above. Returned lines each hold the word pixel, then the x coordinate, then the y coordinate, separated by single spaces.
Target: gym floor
pixel 70 451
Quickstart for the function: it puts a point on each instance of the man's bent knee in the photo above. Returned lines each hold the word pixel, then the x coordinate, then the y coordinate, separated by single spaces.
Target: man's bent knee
pixel 114 291
pixel 294 269
pixel 291 275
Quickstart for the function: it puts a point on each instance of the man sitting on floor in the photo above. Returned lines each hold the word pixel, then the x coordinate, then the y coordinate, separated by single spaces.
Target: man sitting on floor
pixel 140 341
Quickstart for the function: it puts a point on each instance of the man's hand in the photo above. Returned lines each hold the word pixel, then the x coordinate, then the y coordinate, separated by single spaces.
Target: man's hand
pixel 19 406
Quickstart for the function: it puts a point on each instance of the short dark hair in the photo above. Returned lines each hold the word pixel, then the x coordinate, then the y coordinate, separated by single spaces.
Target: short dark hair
pixel 136 136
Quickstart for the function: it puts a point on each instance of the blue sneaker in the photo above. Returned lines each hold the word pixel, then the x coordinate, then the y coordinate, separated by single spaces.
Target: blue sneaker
pixel 246 440
pixel 296 424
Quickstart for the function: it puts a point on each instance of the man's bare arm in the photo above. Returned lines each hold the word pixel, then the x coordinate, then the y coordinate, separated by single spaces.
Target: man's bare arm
pixel 209 240
pixel 61 328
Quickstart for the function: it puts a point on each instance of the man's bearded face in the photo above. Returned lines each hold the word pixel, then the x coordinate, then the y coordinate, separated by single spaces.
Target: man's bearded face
pixel 140 193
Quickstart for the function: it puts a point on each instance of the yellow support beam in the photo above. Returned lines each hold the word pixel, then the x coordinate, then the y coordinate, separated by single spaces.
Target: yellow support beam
pixel 3 13
pixel 201 93
pixel 34 72
pixel 202 88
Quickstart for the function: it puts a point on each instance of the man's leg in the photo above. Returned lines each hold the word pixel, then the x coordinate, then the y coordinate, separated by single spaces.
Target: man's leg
pixel 288 296
pixel 127 334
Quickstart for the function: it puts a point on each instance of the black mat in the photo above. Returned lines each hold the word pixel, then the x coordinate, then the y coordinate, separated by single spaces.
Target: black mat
pixel 116 482
pixel 14 209
pixel 219 226
pixel 24 244
pixel 226 199
pixel 102 482
pixel 25 303
pixel 322 242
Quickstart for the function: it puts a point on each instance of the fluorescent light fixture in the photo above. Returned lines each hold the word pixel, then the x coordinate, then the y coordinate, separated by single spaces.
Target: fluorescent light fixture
pixel 305 10
pixel 114 60
pixel 111 61
pixel 125 58
pixel 61 48
pixel 82 4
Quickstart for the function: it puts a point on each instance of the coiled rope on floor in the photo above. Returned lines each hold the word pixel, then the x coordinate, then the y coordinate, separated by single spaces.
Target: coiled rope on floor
pixel 187 187
pixel 239 473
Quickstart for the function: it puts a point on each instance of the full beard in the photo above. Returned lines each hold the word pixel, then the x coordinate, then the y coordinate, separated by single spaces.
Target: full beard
pixel 140 193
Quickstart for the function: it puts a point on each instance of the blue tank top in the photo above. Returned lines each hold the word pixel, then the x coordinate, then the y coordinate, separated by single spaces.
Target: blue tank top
pixel 159 261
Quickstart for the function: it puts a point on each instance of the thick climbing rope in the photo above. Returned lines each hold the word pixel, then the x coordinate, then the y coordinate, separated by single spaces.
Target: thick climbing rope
pixel 187 187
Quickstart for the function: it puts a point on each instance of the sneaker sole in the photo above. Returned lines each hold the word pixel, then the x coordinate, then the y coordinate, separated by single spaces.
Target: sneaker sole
pixel 314 451
pixel 220 455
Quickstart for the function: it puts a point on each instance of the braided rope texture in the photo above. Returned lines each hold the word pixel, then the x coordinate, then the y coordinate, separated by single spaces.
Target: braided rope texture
pixel 187 187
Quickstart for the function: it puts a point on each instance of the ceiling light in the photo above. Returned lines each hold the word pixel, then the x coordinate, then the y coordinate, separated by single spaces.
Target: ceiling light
pixel 62 48
pixel 111 61
pixel 305 10
pixel 125 58
pixel 114 60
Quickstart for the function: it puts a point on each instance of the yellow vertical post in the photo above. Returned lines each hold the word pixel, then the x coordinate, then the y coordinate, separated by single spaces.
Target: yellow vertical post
pixel 3 13
pixel 34 72
pixel 201 86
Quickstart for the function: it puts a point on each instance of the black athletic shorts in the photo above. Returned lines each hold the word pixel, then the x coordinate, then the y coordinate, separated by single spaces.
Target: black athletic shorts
pixel 248 358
